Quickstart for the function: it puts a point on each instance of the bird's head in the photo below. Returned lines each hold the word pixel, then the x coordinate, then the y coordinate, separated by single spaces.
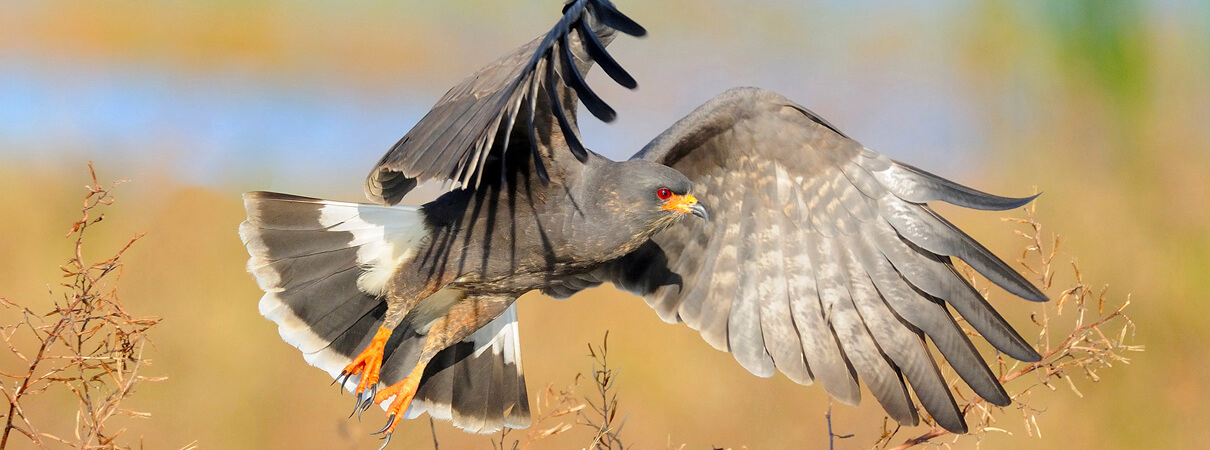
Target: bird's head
pixel 655 195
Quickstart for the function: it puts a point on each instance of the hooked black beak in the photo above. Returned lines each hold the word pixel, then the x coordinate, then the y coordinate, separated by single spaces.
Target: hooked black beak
pixel 698 210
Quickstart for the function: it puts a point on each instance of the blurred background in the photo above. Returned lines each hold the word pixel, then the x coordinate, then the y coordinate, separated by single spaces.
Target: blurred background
pixel 1103 105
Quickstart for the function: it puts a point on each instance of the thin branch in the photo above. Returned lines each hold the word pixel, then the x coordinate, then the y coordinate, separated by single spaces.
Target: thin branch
pixel 433 429
pixel 1086 347
pixel 87 345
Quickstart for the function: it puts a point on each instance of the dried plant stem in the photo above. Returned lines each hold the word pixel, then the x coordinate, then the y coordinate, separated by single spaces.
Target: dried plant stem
pixel 14 398
pixel 832 436
pixel 433 430
pixel 607 405
pixel 87 345
pixel 598 413
pixel 1086 346
pixel 1050 362
pixel 551 405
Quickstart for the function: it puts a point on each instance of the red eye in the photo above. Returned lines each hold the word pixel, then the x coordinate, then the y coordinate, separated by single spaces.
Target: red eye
pixel 663 193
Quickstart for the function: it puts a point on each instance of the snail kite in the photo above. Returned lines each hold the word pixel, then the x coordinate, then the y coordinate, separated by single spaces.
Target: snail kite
pixel 818 258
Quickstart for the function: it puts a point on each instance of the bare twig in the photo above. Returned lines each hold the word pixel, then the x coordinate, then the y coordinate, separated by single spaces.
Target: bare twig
pixel 553 408
pixel 1085 349
pixel 88 344
pixel 606 406
pixel 832 436
pixel 433 429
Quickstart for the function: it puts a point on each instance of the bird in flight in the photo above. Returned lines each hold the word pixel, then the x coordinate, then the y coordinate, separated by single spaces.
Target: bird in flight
pixel 752 220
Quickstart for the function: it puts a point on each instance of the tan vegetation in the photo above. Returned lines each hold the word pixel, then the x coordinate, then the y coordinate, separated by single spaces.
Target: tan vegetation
pixel 1100 335
pixel 88 347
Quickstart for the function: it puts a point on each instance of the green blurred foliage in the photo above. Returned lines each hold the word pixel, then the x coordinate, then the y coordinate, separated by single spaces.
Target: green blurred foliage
pixel 1105 41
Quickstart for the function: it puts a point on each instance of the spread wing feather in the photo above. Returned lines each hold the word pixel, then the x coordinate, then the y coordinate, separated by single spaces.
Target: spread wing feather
pixel 822 259
pixel 777 323
pixel 856 344
pixel 745 334
pixel 532 85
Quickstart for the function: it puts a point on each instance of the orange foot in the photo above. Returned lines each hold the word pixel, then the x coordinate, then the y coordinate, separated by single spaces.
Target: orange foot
pixel 403 391
pixel 368 364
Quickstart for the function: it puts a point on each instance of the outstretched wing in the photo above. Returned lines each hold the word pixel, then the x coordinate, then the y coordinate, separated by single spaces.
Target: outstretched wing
pixel 822 259
pixel 531 86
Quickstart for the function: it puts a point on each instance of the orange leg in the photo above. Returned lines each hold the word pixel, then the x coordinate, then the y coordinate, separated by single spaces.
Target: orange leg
pixel 368 365
pixel 463 319
pixel 404 391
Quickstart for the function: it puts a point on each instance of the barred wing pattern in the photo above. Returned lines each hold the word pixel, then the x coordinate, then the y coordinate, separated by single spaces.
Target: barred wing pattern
pixel 822 260
pixel 454 141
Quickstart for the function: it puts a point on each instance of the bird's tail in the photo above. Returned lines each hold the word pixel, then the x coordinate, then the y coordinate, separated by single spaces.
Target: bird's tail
pixel 324 265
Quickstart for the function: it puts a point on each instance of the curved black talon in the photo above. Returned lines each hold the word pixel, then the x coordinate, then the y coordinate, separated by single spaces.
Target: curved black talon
pixel 387 440
pixel 361 403
pixel 369 401
pixel 356 405
pixel 390 420
pixel 342 378
pixel 366 405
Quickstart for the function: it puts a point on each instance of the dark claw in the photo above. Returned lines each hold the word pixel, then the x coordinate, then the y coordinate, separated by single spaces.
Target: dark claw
pixel 356 405
pixel 361 403
pixel 369 401
pixel 390 420
pixel 342 378
pixel 386 440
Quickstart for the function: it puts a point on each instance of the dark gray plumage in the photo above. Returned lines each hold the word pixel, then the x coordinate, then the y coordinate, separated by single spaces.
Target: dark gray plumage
pixel 406 301
pixel 457 138
pixel 820 258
